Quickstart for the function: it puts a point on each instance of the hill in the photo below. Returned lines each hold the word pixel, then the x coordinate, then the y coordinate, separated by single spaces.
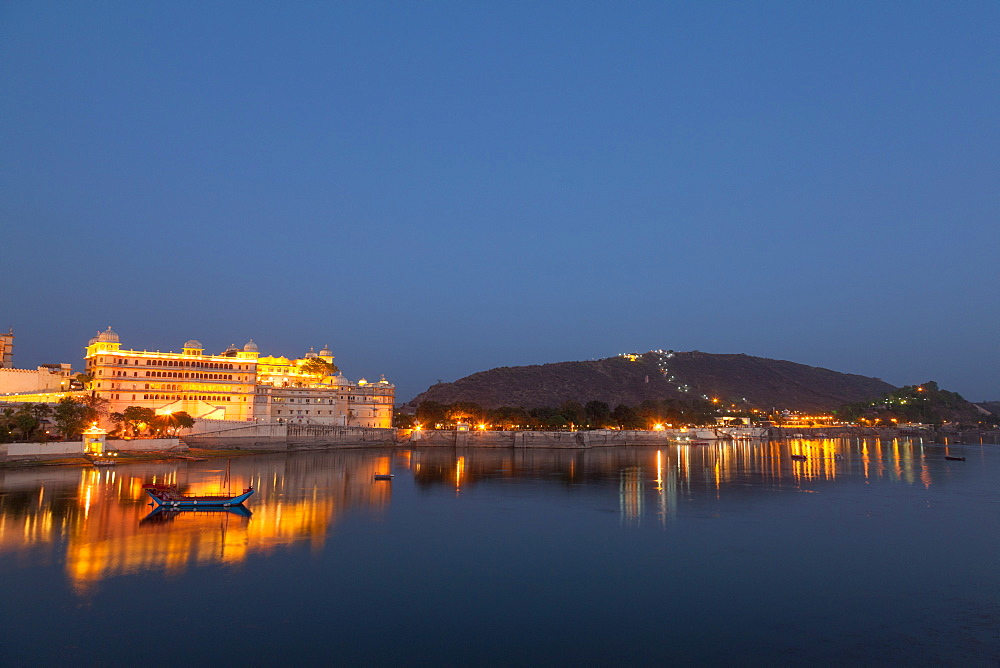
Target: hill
pixel 754 382
pixel 926 403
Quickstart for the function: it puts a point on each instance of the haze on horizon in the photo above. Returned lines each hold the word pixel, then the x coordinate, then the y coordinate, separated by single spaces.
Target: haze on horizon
pixel 435 189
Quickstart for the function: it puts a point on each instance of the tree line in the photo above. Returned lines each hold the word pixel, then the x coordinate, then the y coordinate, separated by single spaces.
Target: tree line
pixel 567 415
pixel 71 416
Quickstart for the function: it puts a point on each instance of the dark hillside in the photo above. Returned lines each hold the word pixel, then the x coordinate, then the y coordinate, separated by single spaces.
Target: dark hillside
pixel 767 383
pixel 751 381
pixel 991 406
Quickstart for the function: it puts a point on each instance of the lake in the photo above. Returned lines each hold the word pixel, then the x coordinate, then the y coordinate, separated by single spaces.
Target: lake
pixel 868 552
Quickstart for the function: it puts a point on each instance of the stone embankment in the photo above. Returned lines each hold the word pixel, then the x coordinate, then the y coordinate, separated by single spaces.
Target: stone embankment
pixel 290 437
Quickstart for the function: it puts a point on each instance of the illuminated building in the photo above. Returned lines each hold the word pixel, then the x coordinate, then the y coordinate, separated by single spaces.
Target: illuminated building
pixel 43 379
pixel 236 384
pixel 794 419
pixel 219 387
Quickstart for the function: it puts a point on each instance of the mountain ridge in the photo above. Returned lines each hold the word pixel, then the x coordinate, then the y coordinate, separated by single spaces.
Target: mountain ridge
pixel 748 381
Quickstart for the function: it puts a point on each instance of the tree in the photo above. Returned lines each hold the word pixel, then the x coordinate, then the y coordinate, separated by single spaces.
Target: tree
pixel 25 424
pixel 556 422
pixel 430 413
pixel 27 420
pixel 573 412
pixel 171 422
pixel 402 420
pixel 318 368
pixel 184 420
pixel 97 407
pixel 625 417
pixel 507 417
pixel 117 419
pixel 465 411
pixel 650 413
pixel 598 414
pixel 6 425
pixel 70 417
pixel 138 418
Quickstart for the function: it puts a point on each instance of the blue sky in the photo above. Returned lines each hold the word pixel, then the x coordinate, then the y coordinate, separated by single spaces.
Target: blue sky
pixel 438 188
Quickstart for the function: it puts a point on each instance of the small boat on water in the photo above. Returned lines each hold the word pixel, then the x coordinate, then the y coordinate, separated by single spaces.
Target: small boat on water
pixel 169 497
pixel 953 458
pixel 799 458
pixel 384 476
pixel 700 443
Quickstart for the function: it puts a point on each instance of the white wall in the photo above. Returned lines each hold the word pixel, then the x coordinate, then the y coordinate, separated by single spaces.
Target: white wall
pixel 50 448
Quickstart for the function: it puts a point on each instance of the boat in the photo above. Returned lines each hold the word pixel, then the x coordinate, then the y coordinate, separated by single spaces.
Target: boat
pixel 103 462
pixel 700 443
pixel 169 497
pixel 384 476
pixel 954 458
pixel 799 458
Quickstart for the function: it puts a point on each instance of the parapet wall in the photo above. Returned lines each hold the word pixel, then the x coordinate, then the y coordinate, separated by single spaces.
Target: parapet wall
pixel 61 449
pixel 272 436
pixel 51 449
pixel 316 435
pixel 144 444
pixel 41 379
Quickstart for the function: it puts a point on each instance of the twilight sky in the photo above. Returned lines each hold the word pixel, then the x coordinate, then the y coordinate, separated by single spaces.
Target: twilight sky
pixel 439 188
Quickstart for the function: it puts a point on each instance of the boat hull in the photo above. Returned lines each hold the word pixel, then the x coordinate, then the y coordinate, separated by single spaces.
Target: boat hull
pixel 167 500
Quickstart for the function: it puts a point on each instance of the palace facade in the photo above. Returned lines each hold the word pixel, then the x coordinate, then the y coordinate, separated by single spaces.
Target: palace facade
pixel 236 384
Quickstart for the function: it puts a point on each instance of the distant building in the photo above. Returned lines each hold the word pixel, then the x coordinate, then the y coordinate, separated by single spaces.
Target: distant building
pixel 42 379
pixel 7 349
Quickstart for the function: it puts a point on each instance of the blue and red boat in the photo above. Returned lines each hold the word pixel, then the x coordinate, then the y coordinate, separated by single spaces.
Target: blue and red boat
pixel 167 496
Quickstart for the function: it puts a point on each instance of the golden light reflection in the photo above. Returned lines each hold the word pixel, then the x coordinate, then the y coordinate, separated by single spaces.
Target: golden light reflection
pixel 106 527
pixel 459 472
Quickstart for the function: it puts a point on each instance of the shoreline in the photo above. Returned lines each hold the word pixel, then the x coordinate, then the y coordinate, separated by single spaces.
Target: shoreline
pixel 192 454
pixel 203 454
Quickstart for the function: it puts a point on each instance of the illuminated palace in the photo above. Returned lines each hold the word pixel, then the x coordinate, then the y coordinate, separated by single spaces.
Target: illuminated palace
pixel 236 384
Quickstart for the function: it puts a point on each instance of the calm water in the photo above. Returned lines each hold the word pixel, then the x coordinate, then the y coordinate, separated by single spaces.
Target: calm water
pixel 869 552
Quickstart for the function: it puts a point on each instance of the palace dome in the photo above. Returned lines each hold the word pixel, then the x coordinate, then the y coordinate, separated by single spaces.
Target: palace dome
pixel 326 352
pixel 94 339
pixel 194 343
pixel 311 354
pixel 107 336
pixel 251 347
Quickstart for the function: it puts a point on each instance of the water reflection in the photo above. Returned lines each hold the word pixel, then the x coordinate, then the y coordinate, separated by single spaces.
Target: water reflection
pixel 102 520
pixel 99 523
pixel 658 477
